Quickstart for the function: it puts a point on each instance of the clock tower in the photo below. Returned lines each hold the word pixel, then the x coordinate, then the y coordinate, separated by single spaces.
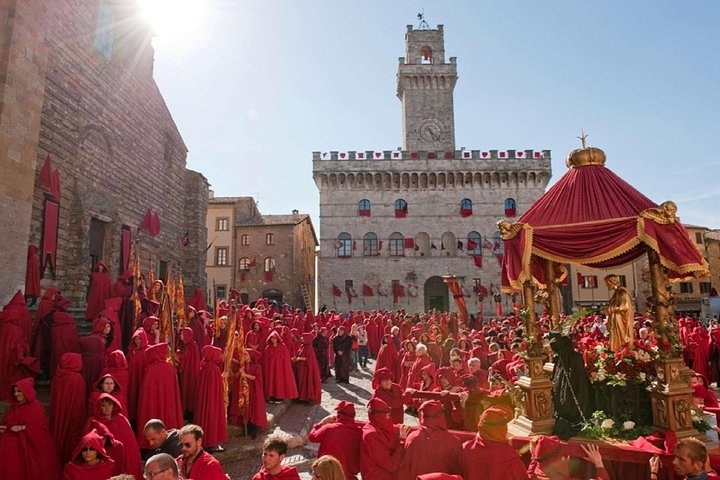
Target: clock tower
pixel 425 84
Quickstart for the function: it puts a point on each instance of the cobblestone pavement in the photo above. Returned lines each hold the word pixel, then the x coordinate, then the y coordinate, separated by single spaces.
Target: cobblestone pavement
pixel 241 459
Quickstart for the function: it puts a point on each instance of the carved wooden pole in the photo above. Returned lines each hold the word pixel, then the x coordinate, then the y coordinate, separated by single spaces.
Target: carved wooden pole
pixel 553 300
pixel 529 302
pixel 671 394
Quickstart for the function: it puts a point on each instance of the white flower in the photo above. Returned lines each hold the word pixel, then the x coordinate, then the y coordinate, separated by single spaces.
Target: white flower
pixel 599 348
pixel 642 376
pixel 629 425
pixel 607 423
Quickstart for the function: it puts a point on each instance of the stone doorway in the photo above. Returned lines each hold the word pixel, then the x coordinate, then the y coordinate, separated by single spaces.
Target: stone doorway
pixel 435 292
pixel 273 294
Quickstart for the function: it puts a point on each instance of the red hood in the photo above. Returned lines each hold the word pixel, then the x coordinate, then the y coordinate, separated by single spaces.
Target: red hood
pixel 186 335
pixel 157 353
pixel 70 362
pixel 92 440
pixel 117 359
pixel 212 354
pixel 27 387
pixel 143 339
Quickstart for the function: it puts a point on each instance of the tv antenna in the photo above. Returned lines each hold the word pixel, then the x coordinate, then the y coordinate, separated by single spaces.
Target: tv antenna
pixel 423 24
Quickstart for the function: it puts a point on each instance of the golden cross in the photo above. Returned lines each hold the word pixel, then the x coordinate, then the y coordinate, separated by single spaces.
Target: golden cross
pixel 583 138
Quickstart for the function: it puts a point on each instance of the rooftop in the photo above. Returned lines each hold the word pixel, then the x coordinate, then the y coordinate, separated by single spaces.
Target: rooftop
pixel 265 220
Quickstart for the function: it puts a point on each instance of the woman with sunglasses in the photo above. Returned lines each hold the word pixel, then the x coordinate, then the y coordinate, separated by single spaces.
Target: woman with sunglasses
pixel 89 460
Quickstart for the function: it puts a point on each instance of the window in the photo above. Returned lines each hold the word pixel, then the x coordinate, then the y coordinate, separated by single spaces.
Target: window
pixel 364 207
pixel 588 281
pixel 465 207
pixel 397 245
pixel 220 292
pixel 343 244
pixel 705 287
pixel 162 272
pixel 698 238
pixel 510 207
pixel 498 247
pixel 104 30
pixel 686 287
pixel 474 243
pixel 223 224
pixel 401 208
pixel 221 256
pixel 269 239
pixel 425 55
pixel 245 264
pixel 269 264
pixel 245 240
pixel 370 245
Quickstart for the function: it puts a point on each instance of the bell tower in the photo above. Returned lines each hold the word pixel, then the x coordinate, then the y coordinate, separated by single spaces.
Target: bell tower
pixel 425 84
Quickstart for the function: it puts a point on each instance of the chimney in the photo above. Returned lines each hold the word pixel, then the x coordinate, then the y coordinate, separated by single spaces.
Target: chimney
pixel 211 193
pixel 295 212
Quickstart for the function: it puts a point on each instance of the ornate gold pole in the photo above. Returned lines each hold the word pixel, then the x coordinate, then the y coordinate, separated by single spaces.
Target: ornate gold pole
pixel 671 394
pixel 536 415
pixel 553 300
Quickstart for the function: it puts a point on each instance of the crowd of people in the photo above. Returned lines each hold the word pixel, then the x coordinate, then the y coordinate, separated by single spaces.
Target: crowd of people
pixel 133 388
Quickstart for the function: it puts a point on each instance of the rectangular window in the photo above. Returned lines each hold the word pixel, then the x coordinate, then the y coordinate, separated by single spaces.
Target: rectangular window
pixel 223 224
pixel 589 281
pixel 162 273
pixel 397 247
pixel 623 280
pixel 220 291
pixel 245 240
pixel 269 239
pixel 686 287
pixel 221 256
pixel 705 287
pixel 698 238
pixel 104 30
pixel 370 246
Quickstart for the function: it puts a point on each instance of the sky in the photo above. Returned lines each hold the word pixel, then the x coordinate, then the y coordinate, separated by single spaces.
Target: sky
pixel 255 86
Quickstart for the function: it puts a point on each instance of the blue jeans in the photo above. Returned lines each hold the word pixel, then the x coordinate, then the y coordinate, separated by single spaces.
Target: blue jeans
pixel 364 354
pixel 353 360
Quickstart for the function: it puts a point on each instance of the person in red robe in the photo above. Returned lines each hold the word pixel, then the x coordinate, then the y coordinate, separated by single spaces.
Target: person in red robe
pixel 100 290
pixel 209 410
pixel 64 334
pixel 194 461
pixel 68 404
pixel 89 461
pixel 340 435
pixel 188 355
pixel 92 348
pixel 32 275
pixel 117 366
pixel 388 356
pixel 111 312
pixel 28 449
pixel 196 321
pixel 307 371
pixel 113 447
pixel 13 348
pixel 422 359
pixel 20 315
pixel 136 369
pixel 107 383
pixel 701 341
pixel 108 411
pixel 256 412
pixel 381 452
pixel 431 448
pixel 407 359
pixel 159 393
pixel 390 392
pixel 373 339
pixel 489 455
pixel 279 381
pixel 43 318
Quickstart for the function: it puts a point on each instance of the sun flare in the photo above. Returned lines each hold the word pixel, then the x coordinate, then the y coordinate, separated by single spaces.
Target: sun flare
pixel 175 20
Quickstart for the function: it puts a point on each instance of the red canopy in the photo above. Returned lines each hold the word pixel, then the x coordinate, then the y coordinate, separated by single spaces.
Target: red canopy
pixel 594 218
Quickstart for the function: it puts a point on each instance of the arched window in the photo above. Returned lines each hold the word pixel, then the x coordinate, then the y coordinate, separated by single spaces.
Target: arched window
pixel 498 244
pixel 364 207
pixel 269 239
pixel 397 245
pixel 425 55
pixel 401 208
pixel 343 244
pixel 370 245
pixel 245 240
pixel 244 264
pixel 465 207
pixel 510 207
pixel 474 243
pixel 269 264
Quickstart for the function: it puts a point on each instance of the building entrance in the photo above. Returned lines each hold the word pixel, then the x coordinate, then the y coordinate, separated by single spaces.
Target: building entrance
pixel 436 294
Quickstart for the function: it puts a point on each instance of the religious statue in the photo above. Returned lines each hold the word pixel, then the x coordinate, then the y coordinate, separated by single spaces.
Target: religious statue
pixel 621 315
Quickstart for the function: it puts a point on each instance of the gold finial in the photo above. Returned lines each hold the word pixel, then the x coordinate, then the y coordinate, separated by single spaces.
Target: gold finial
pixel 583 138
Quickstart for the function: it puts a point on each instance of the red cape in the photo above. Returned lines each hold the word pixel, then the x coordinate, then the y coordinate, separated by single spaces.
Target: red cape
pixel 287 473
pixel 12 348
pixel 78 470
pixel 308 372
pixel 65 338
pixel 257 414
pixel 482 460
pixel 341 439
pixel 431 450
pixel 20 315
pixel 277 371
pixel 189 369
pixel 136 369
pixel 32 273
pixel 388 358
pixel 92 348
pixel 159 394
pixel 68 404
pixel 117 366
pixel 100 290
pixel 31 453
pixel 210 406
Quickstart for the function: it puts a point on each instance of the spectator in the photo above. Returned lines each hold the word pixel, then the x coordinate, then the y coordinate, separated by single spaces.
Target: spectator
pixel 274 451
pixel 327 467
pixel 340 436
pixel 160 439
pixel 195 462
pixel 161 467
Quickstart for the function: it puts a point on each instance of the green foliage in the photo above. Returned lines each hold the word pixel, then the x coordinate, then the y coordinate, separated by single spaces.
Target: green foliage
pixel 600 426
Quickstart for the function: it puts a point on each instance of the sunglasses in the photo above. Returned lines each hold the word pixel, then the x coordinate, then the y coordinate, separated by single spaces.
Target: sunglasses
pixel 87 449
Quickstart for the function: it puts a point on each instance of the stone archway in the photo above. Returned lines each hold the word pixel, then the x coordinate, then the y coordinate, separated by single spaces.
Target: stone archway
pixel 435 293
pixel 273 294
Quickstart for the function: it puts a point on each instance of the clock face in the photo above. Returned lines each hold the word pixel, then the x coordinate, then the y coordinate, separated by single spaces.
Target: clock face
pixel 431 131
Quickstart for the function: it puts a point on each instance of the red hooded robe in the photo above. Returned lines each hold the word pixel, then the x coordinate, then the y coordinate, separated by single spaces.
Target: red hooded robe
pixel 77 469
pixel 189 369
pixel 64 334
pixel 278 377
pixel 100 290
pixel 388 357
pixel 307 371
pixel 210 405
pixel 12 350
pixel 68 404
pixel 340 438
pixel 32 273
pixel 29 454
pixel 117 366
pixel 136 369
pixel 381 452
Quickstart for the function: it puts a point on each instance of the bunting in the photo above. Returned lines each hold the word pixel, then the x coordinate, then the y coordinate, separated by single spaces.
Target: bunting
pixel 478 260
pixel 367 290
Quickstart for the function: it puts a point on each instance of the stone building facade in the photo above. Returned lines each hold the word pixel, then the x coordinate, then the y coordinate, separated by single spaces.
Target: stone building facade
pixel 271 256
pixel 393 223
pixel 76 87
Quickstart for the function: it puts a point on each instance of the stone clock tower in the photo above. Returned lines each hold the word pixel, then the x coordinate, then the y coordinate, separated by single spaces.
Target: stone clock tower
pixel 425 84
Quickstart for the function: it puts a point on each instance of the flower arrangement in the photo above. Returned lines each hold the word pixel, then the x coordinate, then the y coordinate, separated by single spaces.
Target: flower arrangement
pixel 601 426
pixel 620 368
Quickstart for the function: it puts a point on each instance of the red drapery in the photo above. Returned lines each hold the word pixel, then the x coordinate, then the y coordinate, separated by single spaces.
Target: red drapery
pixel 457 294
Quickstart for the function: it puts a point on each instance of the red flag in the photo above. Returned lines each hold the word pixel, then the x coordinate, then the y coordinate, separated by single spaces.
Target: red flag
pixel 465 212
pixel 409 243
pixel 478 260
pixel 400 213
pixel 147 222
pixel 472 244
pixel 336 291
pixel 269 276
pixel 55 184
pixel 45 172
pixel 155 224
pixel 367 290
pixel 580 278
pixel 398 292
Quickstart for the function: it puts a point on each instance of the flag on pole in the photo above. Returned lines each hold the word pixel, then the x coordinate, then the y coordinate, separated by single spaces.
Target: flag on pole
pixel 336 291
